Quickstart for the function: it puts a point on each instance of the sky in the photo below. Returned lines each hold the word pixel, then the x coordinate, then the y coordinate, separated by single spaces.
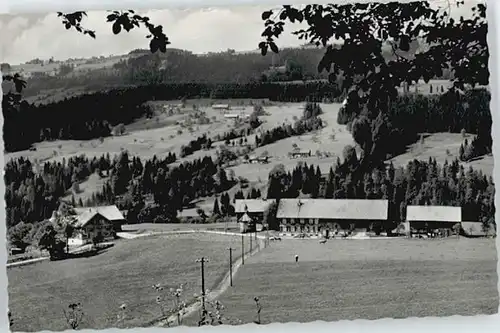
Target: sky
pixel 29 36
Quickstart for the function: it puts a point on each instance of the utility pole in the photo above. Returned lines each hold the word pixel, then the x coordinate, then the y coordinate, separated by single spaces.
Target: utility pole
pixel 202 260
pixel 242 249
pixel 250 242
pixel 230 266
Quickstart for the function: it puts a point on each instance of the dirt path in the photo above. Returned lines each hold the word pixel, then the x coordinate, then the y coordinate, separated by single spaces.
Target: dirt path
pixel 213 294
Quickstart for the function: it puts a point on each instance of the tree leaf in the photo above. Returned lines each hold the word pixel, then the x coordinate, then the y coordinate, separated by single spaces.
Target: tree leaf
pixel 163 46
pixel 263 50
pixel 116 28
pixel 273 47
pixel 153 45
pixel 266 15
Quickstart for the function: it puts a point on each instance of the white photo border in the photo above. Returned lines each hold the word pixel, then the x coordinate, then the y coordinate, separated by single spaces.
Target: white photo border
pixel 454 324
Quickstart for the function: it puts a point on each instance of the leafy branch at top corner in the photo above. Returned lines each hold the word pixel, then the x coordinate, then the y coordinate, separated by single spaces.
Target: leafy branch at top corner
pixel 128 20
pixel 274 23
pixel 365 30
pixel 74 20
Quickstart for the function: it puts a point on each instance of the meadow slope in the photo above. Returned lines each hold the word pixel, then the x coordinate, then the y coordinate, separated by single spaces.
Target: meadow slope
pixel 124 274
pixel 163 134
pixel 366 280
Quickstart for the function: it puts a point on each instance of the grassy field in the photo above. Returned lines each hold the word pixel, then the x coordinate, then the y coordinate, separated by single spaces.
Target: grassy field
pixel 145 138
pixel 366 279
pixel 442 147
pixel 123 274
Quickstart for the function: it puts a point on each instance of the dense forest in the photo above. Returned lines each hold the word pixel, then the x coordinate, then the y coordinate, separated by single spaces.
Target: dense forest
pixel 151 190
pixel 155 191
pixel 418 183
pixel 467 112
pixel 82 117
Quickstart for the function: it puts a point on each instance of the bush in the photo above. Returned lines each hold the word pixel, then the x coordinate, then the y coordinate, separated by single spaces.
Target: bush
pixel 20 235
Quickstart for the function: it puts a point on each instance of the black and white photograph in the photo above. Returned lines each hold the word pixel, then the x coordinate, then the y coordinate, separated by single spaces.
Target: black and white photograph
pixel 255 164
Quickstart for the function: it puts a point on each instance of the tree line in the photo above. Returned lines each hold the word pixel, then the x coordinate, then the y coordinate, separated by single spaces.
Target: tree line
pixel 386 134
pixel 33 191
pixel 478 146
pixel 201 142
pixel 150 191
pixel 144 68
pixel 82 117
pixel 156 192
pixel 233 134
pixel 175 65
pixel 417 183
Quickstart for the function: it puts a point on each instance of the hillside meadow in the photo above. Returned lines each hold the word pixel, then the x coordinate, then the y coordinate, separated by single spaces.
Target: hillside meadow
pixel 368 279
pixel 124 274
pixel 164 133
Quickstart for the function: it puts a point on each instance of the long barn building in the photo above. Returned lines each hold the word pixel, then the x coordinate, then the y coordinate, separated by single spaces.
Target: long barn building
pixel 423 218
pixel 326 216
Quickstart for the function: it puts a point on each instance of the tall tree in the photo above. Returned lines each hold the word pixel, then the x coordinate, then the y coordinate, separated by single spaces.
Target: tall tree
pixel 216 209
pixel 356 36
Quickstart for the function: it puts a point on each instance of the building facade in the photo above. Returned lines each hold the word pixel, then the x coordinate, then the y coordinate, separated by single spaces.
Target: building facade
pixel 250 212
pixel 102 222
pixel 327 217
pixel 421 219
pixel 220 107
pixel 255 208
pixel 91 226
pixel 300 154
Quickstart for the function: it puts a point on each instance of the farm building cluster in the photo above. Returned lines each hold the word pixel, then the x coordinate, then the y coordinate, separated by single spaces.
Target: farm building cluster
pixel 325 218
pixel 331 217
